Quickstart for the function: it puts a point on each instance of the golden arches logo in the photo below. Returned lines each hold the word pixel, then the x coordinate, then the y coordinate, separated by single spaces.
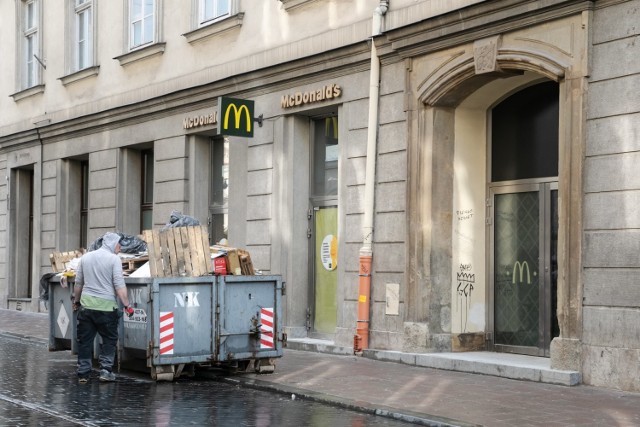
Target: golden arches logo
pixel 236 116
pixel 237 112
pixel 521 266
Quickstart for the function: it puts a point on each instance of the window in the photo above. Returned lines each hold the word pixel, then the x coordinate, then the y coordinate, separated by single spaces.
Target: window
pixel 325 157
pixel 146 205
pixel 84 203
pixel 83 40
pixel 210 10
pixel 142 18
pixel 212 17
pixel 219 190
pixel 30 38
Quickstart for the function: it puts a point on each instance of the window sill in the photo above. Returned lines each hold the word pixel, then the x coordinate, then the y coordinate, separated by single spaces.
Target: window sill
pixel 215 28
pixel 141 53
pixel 26 93
pixel 80 75
pixel 292 4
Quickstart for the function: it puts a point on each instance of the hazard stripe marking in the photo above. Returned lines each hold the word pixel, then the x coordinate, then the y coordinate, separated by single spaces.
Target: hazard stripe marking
pixel 266 328
pixel 166 332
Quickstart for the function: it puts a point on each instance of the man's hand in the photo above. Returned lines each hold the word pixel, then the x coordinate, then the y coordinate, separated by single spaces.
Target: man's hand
pixel 129 311
pixel 75 303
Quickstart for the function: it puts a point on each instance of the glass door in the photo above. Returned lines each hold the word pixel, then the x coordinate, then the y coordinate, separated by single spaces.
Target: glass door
pixel 524 268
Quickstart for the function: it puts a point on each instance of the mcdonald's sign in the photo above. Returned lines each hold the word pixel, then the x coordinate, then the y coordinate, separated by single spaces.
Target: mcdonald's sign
pixel 520 266
pixel 235 117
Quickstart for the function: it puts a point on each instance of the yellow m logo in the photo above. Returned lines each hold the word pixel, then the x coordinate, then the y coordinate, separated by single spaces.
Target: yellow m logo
pixel 237 112
pixel 521 267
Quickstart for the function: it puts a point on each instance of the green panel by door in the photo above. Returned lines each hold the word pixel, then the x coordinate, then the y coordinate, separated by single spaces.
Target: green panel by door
pixel 326 273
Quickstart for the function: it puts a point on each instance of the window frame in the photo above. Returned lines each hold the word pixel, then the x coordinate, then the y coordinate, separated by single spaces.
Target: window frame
pixel 29 75
pixel 156 22
pixel 202 6
pixel 218 205
pixel 147 184
pixel 86 8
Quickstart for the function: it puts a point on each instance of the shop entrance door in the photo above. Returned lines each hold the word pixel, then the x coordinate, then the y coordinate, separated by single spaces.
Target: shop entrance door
pixel 524 267
pixel 325 269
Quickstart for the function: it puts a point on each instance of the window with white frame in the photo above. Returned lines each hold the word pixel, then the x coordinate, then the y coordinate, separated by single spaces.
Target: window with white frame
pixel 83 37
pixel 142 18
pixel 211 10
pixel 30 72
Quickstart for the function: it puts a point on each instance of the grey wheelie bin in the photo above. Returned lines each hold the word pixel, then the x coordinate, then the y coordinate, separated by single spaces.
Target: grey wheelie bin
pixel 184 323
pixel 62 319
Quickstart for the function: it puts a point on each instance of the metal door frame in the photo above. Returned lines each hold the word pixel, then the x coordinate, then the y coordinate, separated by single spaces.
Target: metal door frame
pixel 544 187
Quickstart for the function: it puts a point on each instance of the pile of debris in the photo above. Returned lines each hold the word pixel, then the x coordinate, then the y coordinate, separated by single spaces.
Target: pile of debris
pixel 179 249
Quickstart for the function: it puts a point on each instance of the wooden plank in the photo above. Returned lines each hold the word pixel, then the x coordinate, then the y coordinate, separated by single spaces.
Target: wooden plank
pixel 158 255
pixel 184 236
pixel 173 257
pixel 148 237
pixel 206 252
pixel 164 247
pixel 197 251
pixel 180 252
pixel 195 265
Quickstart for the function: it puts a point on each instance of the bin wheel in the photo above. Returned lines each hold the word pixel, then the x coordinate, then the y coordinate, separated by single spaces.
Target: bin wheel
pixel 265 366
pixel 162 373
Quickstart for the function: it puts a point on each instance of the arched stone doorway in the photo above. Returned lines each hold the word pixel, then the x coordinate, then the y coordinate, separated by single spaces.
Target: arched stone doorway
pixel 455 90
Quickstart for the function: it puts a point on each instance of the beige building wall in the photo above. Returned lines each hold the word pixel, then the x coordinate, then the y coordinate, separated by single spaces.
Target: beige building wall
pixel 437 83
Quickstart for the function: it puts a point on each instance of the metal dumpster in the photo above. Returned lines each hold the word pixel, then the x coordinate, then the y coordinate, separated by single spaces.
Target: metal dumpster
pixel 62 319
pixel 184 323
pixel 181 323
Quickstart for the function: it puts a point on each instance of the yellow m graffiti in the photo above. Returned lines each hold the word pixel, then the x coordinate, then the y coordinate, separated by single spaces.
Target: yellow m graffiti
pixel 237 112
pixel 521 266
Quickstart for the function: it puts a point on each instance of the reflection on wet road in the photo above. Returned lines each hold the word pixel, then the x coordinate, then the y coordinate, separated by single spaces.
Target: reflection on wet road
pixel 39 388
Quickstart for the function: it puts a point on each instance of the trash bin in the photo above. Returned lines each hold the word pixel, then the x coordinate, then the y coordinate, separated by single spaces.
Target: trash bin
pixel 62 319
pixel 181 323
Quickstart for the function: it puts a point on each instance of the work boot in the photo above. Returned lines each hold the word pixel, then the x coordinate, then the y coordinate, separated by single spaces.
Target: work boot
pixel 107 376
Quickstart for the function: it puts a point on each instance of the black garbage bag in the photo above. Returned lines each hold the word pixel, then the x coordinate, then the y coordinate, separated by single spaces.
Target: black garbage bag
pixel 128 244
pixel 177 219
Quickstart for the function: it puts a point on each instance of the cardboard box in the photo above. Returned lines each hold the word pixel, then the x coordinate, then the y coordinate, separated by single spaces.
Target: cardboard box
pixel 232 257
pixel 220 265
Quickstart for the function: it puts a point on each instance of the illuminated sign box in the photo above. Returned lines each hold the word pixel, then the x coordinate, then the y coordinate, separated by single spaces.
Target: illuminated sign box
pixel 235 117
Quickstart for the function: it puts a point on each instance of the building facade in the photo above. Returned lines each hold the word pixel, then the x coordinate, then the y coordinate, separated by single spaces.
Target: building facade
pixel 461 173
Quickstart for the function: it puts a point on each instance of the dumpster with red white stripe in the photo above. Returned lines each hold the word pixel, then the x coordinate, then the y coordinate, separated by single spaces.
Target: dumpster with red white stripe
pixel 181 324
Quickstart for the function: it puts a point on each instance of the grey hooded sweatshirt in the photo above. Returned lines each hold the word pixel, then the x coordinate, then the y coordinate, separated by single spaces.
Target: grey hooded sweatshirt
pixel 100 271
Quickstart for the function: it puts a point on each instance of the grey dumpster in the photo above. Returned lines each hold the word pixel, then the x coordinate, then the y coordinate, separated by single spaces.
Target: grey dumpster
pixel 181 323
pixel 62 319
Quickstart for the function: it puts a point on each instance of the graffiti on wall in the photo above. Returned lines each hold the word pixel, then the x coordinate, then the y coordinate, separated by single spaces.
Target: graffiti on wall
pixel 465 279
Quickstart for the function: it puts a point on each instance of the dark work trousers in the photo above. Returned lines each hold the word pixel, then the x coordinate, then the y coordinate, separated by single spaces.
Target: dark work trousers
pixel 90 323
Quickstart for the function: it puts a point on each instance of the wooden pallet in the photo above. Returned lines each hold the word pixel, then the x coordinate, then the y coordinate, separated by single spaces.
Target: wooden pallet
pixel 129 265
pixel 178 252
pixel 60 260
pixel 246 266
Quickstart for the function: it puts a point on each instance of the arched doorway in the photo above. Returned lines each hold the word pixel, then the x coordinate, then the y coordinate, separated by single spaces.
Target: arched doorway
pixel 448 191
pixel 523 219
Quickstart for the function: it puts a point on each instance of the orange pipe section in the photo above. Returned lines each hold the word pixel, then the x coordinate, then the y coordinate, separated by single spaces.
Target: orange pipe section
pixel 361 340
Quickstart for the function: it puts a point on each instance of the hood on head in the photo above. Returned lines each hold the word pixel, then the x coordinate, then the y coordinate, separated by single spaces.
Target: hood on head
pixel 110 240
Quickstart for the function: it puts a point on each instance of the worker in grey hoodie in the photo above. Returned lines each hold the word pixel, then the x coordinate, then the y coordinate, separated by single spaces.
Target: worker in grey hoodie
pixel 99 281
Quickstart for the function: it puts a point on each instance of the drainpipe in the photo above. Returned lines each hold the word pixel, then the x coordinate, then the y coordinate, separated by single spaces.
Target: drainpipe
pixel 361 339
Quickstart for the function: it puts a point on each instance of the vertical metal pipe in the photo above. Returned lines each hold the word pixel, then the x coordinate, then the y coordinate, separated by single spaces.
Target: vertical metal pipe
pixel 361 339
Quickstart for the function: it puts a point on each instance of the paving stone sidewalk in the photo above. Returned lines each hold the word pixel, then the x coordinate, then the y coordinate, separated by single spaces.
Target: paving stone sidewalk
pixel 422 395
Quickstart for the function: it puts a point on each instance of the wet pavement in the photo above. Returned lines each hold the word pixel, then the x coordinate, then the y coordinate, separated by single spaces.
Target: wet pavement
pixel 39 388
pixel 409 393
